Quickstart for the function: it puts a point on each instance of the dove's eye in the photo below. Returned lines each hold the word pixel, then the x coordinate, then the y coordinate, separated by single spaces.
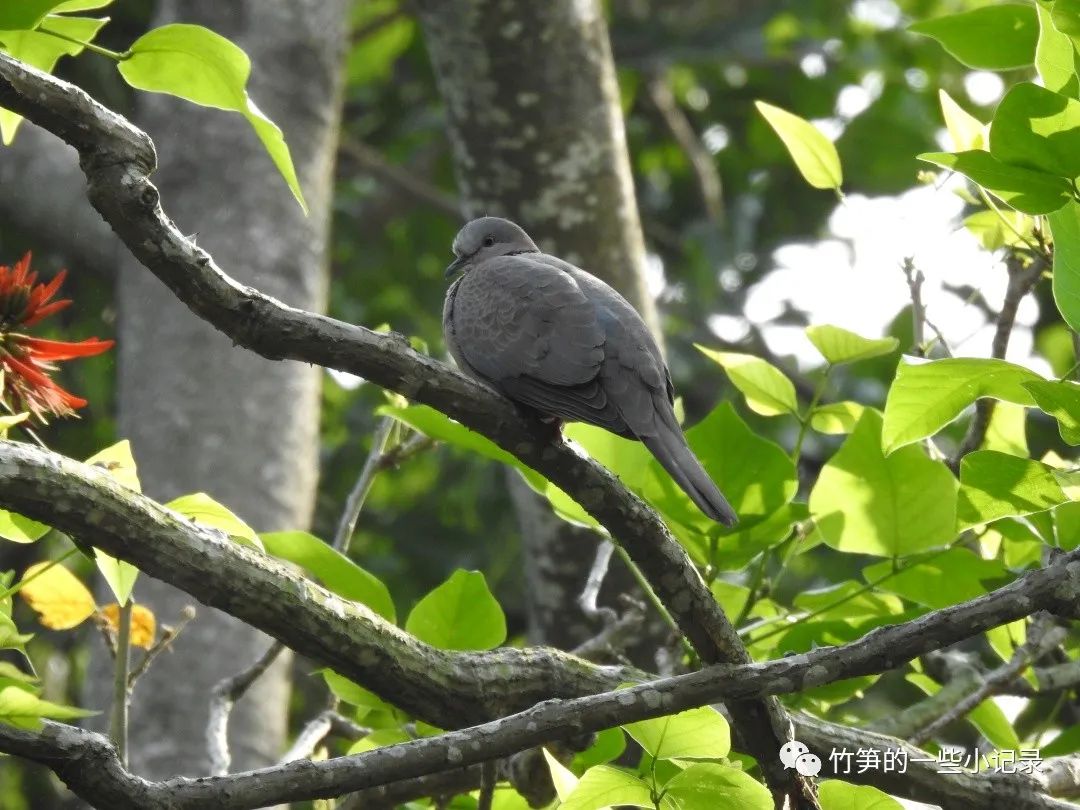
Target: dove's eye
pixel 489 241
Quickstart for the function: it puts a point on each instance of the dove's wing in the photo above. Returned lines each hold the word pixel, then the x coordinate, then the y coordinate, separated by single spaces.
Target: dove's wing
pixel 527 328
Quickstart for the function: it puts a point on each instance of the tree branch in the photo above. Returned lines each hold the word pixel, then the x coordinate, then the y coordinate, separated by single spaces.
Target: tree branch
pixel 117 159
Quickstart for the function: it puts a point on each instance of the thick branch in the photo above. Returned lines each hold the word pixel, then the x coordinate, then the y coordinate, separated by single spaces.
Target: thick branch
pixel 117 159
pixel 86 502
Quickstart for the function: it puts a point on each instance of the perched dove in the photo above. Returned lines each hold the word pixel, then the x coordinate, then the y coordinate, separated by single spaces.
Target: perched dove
pixel 553 338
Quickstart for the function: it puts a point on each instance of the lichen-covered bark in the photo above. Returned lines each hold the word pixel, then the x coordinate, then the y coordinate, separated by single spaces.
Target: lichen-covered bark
pixel 537 133
pixel 536 128
pixel 202 415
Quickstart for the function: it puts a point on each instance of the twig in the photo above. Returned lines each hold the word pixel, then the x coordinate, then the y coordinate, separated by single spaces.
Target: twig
pixel 118 722
pixel 317 729
pixel 701 162
pixel 226 692
pixel 1021 281
pixel 1021 658
pixel 373 162
pixel 488 778
pixel 915 279
pixel 163 643
pixel 940 338
pixel 595 580
pixel 355 502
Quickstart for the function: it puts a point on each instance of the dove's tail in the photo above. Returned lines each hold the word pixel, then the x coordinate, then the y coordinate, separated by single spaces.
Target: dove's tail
pixel 670 448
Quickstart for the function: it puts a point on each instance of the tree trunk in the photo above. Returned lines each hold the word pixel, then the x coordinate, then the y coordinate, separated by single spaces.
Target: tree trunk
pixel 537 133
pixel 201 414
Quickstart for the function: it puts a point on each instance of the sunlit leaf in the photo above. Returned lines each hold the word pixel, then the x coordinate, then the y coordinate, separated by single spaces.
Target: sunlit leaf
pixel 1055 55
pixel 203 509
pixel 59 598
pixel 200 66
pixel 836 795
pixel 836 417
pixel 43 51
pixel 842 346
pixel 768 391
pixel 928 395
pixel 996 485
pixel 700 733
pixel 966 131
pixel 939 579
pixel 1065 227
pixel 336 571
pixel 1037 129
pixel 1028 190
pixel 460 614
pixel 119 462
pixel 713 786
pixel 998 37
pixel 24 709
pixel 143 624
pixel 814 154
pixel 20 529
pixel 561 777
pixel 607 786
pixel 870 503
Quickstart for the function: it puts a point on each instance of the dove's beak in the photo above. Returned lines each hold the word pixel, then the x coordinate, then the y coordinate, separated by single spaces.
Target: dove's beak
pixel 456 266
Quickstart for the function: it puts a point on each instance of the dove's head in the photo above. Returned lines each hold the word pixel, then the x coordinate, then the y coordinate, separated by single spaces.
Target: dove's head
pixel 486 238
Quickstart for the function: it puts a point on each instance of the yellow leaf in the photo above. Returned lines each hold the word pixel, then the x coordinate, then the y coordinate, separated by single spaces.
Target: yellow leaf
pixel 118 462
pixel 61 601
pixel 143 624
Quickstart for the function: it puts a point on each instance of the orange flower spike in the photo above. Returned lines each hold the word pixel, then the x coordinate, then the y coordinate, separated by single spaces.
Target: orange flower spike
pixel 27 361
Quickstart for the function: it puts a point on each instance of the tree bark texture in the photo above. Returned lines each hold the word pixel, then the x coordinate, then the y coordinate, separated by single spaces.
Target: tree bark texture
pixel 201 413
pixel 537 134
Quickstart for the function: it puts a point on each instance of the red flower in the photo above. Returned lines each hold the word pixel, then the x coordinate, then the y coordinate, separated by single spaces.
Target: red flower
pixel 26 362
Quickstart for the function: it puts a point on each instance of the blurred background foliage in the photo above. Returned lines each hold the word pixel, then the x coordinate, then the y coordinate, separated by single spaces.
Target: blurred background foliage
pixel 718 195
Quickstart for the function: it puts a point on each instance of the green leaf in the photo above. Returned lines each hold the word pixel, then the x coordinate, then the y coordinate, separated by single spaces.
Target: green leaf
pixel 25 14
pixel 966 131
pixel 442 428
pixel 1055 55
pixel 561 777
pixel 999 37
pixel 203 509
pixel 10 637
pixel 1066 17
pixel 609 745
pixel 996 229
pixel 460 614
pixel 768 391
pixel 1064 743
pixel 118 461
pixel 869 503
pixel 848 601
pixel 836 418
pixel 332 568
pixel 1032 192
pixel 841 346
pixel 8 421
pixel 940 579
pixel 1060 400
pixel 815 155
pixel 80 5
pixel 352 693
pixel 373 55
pixel 735 550
pixel 1007 431
pixel 712 786
pixel 196 64
pixel 836 795
pixel 380 738
pixel 1037 129
pixel 756 475
pixel 700 733
pixel 996 485
pixel 26 710
pixel 19 529
pixel 43 52
pixel 607 786
pixel 1065 227
pixel 926 396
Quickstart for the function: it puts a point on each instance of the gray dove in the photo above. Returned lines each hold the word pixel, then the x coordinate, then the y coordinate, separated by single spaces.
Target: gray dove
pixel 561 342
